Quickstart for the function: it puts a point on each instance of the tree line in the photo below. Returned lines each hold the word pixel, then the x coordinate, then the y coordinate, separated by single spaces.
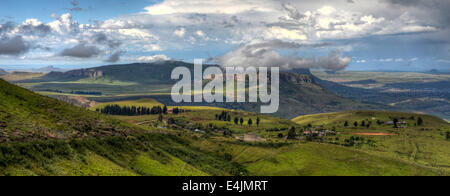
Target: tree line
pixel 134 111
pixel 226 116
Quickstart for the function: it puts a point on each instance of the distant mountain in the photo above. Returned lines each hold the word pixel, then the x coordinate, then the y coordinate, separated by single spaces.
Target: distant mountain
pixel 48 69
pixel 3 72
pixel 143 73
pixel 299 92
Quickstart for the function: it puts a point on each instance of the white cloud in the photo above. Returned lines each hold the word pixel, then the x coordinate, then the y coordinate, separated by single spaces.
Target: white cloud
pixel 153 58
pixel 262 53
pixel 200 33
pixel 361 61
pixel 180 32
pixel 168 7
pixel 386 60
pixel 285 34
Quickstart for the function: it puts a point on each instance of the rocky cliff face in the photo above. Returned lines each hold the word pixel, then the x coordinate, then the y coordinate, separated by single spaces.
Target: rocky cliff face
pixel 81 73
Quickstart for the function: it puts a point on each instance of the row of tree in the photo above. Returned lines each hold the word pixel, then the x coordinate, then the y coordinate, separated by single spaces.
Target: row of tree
pixel 226 116
pixel 369 123
pixel 355 124
pixel 133 110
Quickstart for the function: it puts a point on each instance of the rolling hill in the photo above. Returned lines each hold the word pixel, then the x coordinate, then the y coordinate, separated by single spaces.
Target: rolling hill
pixel 44 136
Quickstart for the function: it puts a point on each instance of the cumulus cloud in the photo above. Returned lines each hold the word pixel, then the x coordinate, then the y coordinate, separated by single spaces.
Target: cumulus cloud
pixel 65 25
pixel 101 38
pixel 13 46
pixel 153 58
pixel 34 27
pixel 81 51
pixel 260 53
pixel 186 25
pixel 8 26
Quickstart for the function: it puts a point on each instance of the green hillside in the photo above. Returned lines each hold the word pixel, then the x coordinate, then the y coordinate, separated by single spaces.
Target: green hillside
pixel 421 139
pixel 43 136
pixel 26 116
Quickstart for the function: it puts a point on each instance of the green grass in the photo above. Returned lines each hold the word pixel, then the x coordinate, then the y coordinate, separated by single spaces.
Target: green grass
pixel 43 136
pixel 424 145
pixel 325 160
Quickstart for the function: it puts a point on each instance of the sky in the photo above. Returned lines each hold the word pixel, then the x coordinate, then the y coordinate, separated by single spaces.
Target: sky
pixel 372 35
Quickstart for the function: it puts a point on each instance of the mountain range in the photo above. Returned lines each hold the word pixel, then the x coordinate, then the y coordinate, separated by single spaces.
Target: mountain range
pixel 300 92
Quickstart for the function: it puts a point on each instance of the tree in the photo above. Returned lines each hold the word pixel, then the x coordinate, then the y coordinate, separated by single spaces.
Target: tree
pixel 165 110
pixel 250 122
pixel 258 120
pixel 236 120
pixel 291 133
pixel 229 118
pixel 395 123
pixel 363 123
pixel 160 118
pixel 355 124
pixel 379 122
pixel 346 124
pixel 241 121
pixel 447 136
pixel 176 111
pixel 419 121
pixel 280 135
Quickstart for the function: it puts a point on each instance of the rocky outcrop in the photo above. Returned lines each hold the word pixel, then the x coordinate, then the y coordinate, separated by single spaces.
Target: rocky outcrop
pixel 78 101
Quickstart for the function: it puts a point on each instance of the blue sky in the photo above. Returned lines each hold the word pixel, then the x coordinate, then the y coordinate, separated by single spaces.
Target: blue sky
pixel 337 35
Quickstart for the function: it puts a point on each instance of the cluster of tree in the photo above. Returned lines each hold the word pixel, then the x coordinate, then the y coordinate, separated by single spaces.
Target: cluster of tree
pixel 356 124
pixel 276 129
pixel 292 134
pixel 133 111
pixel 226 116
pixel 175 111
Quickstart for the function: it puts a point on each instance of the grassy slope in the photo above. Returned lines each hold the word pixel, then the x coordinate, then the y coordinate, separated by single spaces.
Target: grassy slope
pixel 306 159
pixel 169 152
pixel 425 145
pixel 25 115
pixel 278 157
pixel 40 136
